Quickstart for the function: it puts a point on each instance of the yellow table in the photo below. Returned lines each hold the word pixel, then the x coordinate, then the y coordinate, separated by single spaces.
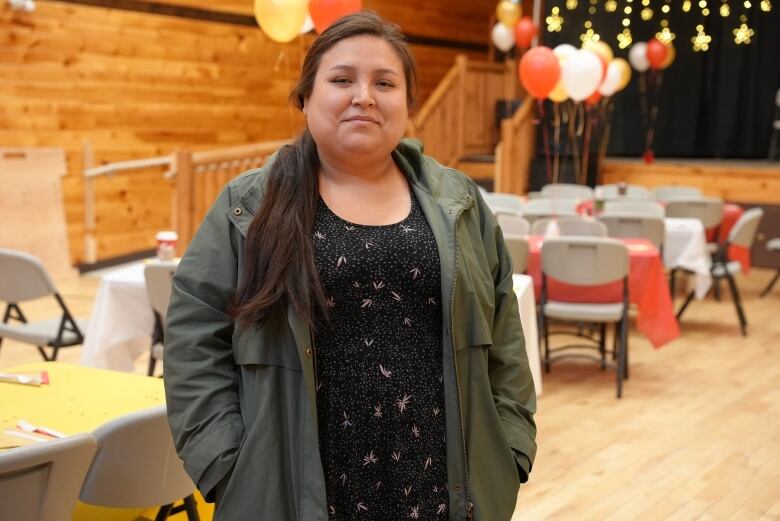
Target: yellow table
pixel 81 399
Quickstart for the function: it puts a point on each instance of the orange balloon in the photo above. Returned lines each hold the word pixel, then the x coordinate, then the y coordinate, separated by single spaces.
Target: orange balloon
pixel 525 32
pixel 670 56
pixel 539 71
pixel 656 53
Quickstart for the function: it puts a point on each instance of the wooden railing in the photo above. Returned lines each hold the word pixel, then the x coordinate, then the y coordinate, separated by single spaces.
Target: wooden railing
pixel 200 176
pixel 458 118
pixel 515 150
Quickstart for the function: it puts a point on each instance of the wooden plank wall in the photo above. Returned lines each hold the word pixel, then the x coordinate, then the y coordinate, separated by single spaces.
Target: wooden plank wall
pixel 136 85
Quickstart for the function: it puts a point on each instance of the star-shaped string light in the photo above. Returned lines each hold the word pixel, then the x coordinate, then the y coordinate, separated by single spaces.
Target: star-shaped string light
pixel 554 21
pixel 701 42
pixel 743 33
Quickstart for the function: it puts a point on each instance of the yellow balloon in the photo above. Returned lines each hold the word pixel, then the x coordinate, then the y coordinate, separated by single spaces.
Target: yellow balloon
pixel 508 13
pixel 558 94
pixel 670 56
pixel 625 73
pixel 281 20
pixel 600 48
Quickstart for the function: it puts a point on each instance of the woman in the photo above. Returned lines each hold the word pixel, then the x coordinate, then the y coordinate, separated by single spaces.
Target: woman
pixel 343 341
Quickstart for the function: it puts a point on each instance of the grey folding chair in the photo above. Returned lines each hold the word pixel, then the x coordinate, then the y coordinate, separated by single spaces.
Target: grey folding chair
pixel 41 482
pixel 570 226
pixel 504 203
pixel 549 207
pixel 519 250
pixel 569 190
pixel 136 466
pixel 612 191
pixel 742 234
pixel 23 278
pixel 629 206
pixel 665 193
pixel 772 245
pixel 586 261
pixel 709 210
pixel 627 226
pixel 158 276
pixel 513 224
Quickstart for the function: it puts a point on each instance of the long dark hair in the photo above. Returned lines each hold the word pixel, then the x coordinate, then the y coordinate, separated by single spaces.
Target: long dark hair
pixel 279 267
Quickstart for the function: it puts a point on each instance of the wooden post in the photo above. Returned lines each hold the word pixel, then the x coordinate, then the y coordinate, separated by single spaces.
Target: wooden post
pixel 462 62
pixel 182 218
pixel 90 220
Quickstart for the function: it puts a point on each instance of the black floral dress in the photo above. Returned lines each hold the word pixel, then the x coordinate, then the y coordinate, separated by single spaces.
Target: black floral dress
pixel 380 395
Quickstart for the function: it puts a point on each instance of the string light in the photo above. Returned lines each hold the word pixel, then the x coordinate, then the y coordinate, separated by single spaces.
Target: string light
pixel 686 6
pixel 554 21
pixel 571 5
pixel 610 6
pixel 766 6
pixel 665 35
pixel 646 13
pixel 625 39
pixel 592 8
pixel 589 34
pixel 725 10
pixel 701 42
pixel 743 33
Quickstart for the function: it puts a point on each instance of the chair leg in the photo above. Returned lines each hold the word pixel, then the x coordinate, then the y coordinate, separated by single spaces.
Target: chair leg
pixel 615 342
pixel 737 303
pixel 763 293
pixel 546 330
pixel 603 345
pixel 672 282
pixel 191 506
pixel 152 364
pixel 620 366
pixel 164 512
pixel 688 300
pixel 43 354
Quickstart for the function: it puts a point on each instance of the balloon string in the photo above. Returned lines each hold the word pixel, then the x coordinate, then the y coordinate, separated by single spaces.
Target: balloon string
pixel 574 138
pixel 607 118
pixel 654 110
pixel 557 141
pixel 643 103
pixel 590 117
pixel 546 138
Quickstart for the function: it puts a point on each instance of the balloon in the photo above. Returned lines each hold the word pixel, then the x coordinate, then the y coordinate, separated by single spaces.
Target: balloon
pixel 558 94
pixel 564 50
pixel 325 12
pixel 670 56
pixel 611 80
pixel 308 25
pixel 601 48
pixel 656 53
pixel 581 73
pixel 539 71
pixel 525 32
pixel 508 13
pixel 625 72
pixel 503 37
pixel 593 99
pixel 281 20
pixel 637 55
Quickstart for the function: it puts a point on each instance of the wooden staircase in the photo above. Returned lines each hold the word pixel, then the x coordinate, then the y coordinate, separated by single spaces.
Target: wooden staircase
pixel 457 125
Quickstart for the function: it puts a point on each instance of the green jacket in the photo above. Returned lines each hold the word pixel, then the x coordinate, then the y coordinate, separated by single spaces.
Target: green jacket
pixel 241 401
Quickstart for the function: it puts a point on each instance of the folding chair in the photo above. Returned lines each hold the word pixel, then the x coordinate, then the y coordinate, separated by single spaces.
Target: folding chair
pixel 586 261
pixel 519 249
pixel 500 203
pixel 665 193
pixel 569 190
pixel 41 482
pixel 513 224
pixel 136 466
pixel 774 246
pixel 612 191
pixel 158 276
pixel 636 226
pixel 570 226
pixel 627 206
pixel 24 278
pixel 742 234
pixel 549 207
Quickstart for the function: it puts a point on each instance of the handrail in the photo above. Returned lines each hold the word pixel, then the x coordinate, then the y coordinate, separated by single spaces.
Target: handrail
pixel 134 164
pixel 515 150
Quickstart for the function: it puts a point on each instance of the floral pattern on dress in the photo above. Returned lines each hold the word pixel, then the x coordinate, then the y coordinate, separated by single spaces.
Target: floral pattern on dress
pixel 380 397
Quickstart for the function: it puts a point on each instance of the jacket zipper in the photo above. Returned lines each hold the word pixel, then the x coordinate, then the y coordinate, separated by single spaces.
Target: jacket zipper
pixel 469 504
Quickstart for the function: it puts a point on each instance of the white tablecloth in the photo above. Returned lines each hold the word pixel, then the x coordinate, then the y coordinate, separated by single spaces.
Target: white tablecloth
pixel 685 246
pixel 524 289
pixel 121 324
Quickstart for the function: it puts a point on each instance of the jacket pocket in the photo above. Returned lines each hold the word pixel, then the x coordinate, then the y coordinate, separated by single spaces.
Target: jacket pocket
pixel 270 344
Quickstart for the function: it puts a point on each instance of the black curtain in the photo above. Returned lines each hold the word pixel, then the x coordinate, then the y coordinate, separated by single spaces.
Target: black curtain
pixel 714 104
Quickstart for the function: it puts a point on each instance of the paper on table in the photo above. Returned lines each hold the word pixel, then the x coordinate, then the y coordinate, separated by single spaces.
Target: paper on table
pixel 34 379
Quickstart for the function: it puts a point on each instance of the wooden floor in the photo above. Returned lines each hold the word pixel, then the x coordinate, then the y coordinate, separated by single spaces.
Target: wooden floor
pixel 696 435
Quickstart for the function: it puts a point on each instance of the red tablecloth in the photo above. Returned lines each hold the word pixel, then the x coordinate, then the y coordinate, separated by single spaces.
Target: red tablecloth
pixel 647 288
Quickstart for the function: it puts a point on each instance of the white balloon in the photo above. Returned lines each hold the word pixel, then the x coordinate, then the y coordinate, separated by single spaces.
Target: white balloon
pixel 308 25
pixel 563 51
pixel 612 80
pixel 637 55
pixel 581 74
pixel 503 37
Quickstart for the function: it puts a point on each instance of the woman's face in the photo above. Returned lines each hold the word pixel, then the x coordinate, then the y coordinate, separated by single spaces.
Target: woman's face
pixel 357 106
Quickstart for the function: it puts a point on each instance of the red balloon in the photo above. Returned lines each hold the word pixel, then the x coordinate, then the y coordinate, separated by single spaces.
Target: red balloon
pixel 325 12
pixel 525 30
pixel 593 99
pixel 656 53
pixel 539 71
